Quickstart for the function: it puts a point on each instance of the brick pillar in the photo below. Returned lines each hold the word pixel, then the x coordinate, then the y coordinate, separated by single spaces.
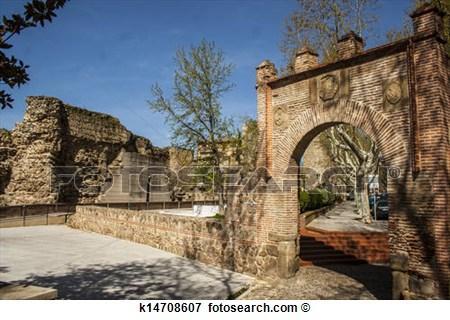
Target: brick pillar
pixel 281 209
pixel 265 72
pixel 427 19
pixel 277 211
pixel 305 59
pixel 423 270
pixel 350 45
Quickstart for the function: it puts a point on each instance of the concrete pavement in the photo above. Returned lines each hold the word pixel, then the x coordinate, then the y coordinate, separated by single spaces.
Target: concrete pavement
pixel 85 265
pixel 342 218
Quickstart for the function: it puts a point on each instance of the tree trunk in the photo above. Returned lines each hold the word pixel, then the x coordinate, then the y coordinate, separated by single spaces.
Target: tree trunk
pixel 363 199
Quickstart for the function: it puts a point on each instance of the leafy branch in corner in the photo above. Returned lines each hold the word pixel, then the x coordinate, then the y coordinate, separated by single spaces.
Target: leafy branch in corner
pixel 13 72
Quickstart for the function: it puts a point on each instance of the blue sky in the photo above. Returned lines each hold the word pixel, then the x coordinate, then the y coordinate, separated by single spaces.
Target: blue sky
pixel 104 55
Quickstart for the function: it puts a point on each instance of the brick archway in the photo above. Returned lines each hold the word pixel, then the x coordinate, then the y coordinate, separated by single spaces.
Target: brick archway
pixel 315 119
pixel 399 94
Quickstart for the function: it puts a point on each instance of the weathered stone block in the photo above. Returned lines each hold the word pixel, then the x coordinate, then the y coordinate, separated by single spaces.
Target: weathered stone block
pixel 400 283
pixel 400 261
pixel 287 259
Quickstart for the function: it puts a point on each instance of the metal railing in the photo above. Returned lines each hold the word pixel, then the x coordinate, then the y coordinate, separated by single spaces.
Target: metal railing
pixel 30 210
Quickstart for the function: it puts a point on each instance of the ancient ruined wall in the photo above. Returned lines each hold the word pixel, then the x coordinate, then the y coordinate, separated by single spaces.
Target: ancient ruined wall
pixel 136 175
pixel 63 153
pixel 6 153
pixel 38 142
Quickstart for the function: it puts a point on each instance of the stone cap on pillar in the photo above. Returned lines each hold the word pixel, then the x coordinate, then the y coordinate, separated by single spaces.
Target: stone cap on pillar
pixel 427 18
pixel 350 45
pixel 265 72
pixel 426 8
pixel 306 50
pixel 305 59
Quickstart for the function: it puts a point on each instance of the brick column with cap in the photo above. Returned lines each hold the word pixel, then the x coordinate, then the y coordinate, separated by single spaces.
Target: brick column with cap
pixel 265 72
pixel 349 45
pixel 427 18
pixel 305 59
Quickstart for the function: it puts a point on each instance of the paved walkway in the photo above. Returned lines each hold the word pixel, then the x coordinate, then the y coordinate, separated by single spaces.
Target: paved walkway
pixel 343 218
pixel 330 282
pixel 85 265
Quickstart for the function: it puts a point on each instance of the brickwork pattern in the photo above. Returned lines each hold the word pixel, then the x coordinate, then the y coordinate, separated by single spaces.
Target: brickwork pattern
pixel 398 94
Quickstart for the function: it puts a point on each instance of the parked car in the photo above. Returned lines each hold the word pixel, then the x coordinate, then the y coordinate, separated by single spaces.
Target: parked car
pixel 380 197
pixel 382 209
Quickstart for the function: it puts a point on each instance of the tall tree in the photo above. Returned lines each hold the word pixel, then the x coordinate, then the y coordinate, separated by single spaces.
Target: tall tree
pixel 444 5
pixel 13 72
pixel 351 148
pixel 245 145
pixel 194 112
pixel 320 23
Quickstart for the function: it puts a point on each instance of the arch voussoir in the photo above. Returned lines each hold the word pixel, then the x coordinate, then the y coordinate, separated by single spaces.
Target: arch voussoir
pixel 354 113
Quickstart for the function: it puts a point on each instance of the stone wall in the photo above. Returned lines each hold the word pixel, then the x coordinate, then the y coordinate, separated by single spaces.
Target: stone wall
pixel 6 153
pixel 228 242
pixel 63 153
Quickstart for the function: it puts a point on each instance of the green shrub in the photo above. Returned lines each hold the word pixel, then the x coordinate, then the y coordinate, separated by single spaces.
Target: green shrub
pixel 315 199
pixel 324 197
pixel 319 198
pixel 303 199
pixel 219 216
pixel 332 198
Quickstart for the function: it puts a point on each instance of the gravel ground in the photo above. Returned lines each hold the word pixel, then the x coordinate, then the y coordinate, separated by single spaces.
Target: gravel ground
pixel 330 282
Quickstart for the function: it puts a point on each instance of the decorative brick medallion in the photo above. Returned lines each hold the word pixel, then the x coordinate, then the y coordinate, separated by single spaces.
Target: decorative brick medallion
pixel 393 92
pixel 329 86
pixel 280 117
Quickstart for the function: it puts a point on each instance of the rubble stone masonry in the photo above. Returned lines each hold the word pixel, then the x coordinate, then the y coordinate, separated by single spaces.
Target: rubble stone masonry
pixel 228 242
pixel 55 138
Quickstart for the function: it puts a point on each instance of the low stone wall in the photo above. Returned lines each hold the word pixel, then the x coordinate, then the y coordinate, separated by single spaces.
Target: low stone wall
pixel 307 217
pixel 218 242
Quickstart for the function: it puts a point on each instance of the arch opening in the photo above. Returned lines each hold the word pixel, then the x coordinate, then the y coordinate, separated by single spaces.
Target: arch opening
pixel 343 203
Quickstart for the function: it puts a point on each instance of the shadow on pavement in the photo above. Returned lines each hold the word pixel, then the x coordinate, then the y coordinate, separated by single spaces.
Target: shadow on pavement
pixel 165 279
pixel 376 278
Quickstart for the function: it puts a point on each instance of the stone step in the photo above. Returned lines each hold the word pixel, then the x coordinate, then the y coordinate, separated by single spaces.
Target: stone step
pixel 313 256
pixel 359 253
pixel 331 261
pixel 343 247
pixel 344 235
pixel 349 243
pixel 343 239
pixel 307 232
pixel 26 292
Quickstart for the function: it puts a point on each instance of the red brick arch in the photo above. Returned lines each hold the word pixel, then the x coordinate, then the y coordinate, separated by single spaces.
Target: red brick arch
pixel 315 119
pixel 399 95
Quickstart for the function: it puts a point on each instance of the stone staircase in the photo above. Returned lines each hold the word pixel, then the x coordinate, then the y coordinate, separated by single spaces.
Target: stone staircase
pixel 319 247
